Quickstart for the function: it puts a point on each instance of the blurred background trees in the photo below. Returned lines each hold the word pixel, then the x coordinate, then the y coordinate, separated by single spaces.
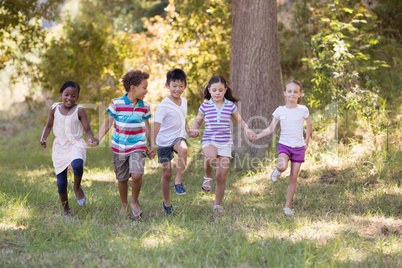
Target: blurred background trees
pixel 346 53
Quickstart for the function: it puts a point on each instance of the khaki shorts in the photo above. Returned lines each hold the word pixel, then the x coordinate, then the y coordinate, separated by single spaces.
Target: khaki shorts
pixel 132 163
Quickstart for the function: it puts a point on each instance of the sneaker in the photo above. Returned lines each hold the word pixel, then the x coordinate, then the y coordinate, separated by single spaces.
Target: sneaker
pixel 288 211
pixel 275 175
pixel 168 210
pixel 180 189
pixel 218 208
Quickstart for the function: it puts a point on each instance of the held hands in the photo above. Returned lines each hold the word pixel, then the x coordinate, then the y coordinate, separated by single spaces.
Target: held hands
pixel 194 133
pixel 151 152
pixel 92 142
pixel 251 134
pixel 43 143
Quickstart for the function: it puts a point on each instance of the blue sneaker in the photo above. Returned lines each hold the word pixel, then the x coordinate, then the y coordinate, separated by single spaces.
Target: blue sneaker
pixel 168 210
pixel 180 189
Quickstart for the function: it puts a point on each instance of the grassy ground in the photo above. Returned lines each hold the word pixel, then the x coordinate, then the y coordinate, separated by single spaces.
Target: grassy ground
pixel 348 204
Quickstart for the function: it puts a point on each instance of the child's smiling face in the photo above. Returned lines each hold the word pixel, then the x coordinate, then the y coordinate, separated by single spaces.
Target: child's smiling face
pixel 217 91
pixel 292 93
pixel 176 88
pixel 141 90
pixel 69 96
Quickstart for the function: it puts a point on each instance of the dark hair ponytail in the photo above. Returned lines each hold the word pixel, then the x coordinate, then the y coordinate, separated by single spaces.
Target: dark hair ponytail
pixel 70 84
pixel 298 84
pixel 218 79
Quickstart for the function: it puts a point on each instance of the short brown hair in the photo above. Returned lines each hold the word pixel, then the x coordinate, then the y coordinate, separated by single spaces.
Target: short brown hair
pixel 133 78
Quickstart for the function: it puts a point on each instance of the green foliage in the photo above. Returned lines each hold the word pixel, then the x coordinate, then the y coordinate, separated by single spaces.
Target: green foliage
pixel 21 32
pixel 204 28
pixel 88 51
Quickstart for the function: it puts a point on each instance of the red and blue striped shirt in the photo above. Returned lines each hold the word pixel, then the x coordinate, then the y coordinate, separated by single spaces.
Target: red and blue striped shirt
pixel 129 125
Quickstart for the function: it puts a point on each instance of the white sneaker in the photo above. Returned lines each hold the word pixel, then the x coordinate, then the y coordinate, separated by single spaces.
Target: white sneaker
pixel 288 211
pixel 218 208
pixel 275 175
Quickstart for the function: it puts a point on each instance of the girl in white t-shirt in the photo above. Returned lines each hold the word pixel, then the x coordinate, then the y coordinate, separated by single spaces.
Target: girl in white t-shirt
pixel 292 145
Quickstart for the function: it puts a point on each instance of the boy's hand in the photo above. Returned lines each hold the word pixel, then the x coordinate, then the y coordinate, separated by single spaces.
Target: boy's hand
pixel 92 142
pixel 43 143
pixel 194 133
pixel 151 152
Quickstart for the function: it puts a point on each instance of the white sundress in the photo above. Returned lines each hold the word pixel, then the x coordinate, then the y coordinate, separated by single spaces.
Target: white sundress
pixel 68 143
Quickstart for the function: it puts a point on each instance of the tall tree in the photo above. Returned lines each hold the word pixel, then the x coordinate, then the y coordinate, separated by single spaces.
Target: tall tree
pixel 255 71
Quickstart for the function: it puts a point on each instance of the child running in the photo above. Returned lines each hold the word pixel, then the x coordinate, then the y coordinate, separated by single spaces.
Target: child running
pixel 130 115
pixel 292 145
pixel 217 140
pixel 170 129
pixel 69 148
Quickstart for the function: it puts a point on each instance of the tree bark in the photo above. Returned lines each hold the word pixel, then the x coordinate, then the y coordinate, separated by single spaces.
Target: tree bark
pixel 255 71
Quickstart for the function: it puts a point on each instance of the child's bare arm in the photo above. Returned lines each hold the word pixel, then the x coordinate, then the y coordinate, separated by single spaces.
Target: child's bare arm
pixel 269 130
pixel 151 140
pixel 194 132
pixel 237 118
pixel 309 129
pixel 47 128
pixel 105 127
pixel 157 127
pixel 82 115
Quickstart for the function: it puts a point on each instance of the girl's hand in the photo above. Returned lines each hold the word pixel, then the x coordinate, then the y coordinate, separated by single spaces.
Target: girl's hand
pixel 251 135
pixel 43 143
pixel 306 146
pixel 92 142
pixel 194 133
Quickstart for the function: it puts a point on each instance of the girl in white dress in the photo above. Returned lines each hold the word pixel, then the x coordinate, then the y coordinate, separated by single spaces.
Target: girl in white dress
pixel 69 148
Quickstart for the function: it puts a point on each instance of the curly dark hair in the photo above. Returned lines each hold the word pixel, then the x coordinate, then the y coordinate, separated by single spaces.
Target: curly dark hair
pixel 133 78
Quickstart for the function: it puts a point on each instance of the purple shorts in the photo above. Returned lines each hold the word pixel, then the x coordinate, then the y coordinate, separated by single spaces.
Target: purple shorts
pixel 295 154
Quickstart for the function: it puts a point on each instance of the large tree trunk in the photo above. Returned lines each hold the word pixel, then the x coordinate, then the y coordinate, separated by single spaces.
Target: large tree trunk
pixel 255 71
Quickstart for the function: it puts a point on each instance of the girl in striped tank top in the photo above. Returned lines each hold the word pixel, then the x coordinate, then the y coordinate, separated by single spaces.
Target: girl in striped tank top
pixel 217 140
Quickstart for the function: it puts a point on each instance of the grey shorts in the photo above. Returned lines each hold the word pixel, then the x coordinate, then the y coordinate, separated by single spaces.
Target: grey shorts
pixel 124 165
pixel 166 154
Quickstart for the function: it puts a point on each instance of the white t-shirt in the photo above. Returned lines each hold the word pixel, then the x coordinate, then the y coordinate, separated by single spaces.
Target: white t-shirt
pixel 173 121
pixel 291 121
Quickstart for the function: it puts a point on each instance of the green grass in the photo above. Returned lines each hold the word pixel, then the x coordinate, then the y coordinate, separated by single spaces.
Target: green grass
pixel 349 209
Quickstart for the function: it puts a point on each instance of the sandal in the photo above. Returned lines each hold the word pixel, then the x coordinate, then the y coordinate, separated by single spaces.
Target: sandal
pixel 135 212
pixel 205 187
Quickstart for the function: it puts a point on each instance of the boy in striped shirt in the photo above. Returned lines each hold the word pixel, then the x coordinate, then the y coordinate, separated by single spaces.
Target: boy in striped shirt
pixel 130 115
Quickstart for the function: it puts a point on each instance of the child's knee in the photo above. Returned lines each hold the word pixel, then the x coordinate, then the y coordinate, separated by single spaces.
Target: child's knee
pixel 220 179
pixel 182 152
pixel 78 167
pixel 282 165
pixel 136 178
pixel 281 168
pixel 62 184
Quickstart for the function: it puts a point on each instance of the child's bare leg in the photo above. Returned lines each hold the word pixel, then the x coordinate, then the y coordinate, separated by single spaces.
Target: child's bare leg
pixel 165 182
pixel 210 154
pixel 222 166
pixel 282 164
pixel 294 172
pixel 136 183
pixel 181 148
pixel 64 203
pixel 123 189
